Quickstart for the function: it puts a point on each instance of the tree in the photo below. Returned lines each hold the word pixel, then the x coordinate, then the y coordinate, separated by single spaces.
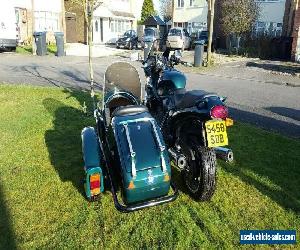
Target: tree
pixel 238 17
pixel 166 9
pixel 88 7
pixel 147 10
pixel 210 21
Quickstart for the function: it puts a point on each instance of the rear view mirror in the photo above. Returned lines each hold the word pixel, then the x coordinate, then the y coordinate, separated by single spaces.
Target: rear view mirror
pixel 178 54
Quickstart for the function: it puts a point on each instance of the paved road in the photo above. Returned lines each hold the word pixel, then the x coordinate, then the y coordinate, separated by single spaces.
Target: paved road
pixel 271 106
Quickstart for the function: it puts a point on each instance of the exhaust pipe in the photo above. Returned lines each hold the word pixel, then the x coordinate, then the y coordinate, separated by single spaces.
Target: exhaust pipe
pixel 179 159
pixel 225 154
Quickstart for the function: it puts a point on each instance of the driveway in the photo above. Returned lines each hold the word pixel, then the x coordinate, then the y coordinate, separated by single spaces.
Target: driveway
pixel 251 99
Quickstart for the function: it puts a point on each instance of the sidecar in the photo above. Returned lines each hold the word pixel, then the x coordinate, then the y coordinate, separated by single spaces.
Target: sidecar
pixel 126 150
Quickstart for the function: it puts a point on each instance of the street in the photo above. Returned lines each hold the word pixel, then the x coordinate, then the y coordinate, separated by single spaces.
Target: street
pixel 256 99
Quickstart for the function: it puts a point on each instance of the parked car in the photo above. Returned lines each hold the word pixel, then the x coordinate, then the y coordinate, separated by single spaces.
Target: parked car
pixel 8 28
pixel 150 35
pixel 129 40
pixel 178 38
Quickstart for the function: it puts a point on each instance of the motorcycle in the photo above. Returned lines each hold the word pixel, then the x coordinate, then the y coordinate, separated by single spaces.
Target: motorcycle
pixel 194 123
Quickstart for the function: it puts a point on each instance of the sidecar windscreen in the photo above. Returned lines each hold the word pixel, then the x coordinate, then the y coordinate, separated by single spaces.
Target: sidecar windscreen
pixel 122 77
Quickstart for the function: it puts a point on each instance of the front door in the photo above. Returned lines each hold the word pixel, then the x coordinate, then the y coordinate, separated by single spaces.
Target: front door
pixel 98 30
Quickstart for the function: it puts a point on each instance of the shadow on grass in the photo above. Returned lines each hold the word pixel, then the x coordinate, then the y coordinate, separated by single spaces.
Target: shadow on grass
pixel 64 140
pixel 286 69
pixel 7 236
pixel 269 162
pixel 268 156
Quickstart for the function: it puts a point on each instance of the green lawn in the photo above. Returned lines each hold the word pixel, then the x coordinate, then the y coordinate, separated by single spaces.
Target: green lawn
pixel 51 49
pixel 41 193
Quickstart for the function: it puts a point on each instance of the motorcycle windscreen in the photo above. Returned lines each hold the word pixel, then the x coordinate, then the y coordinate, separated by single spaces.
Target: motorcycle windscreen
pixel 122 76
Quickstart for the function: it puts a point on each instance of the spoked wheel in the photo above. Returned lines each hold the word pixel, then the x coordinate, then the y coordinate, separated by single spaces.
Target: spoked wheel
pixel 199 174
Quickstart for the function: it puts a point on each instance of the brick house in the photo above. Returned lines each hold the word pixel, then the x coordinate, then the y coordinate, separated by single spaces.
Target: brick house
pixel 48 17
pixel 111 19
pixel 291 26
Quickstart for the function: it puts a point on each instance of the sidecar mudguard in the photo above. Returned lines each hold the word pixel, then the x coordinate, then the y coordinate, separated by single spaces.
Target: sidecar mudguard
pixel 92 156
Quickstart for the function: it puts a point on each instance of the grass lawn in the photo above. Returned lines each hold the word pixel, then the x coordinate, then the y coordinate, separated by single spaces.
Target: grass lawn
pixel 51 49
pixel 41 193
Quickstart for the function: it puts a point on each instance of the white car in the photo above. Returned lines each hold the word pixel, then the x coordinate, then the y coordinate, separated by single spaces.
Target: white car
pixel 178 38
pixel 8 32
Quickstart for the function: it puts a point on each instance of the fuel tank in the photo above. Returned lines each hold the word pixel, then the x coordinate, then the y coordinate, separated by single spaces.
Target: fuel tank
pixel 170 81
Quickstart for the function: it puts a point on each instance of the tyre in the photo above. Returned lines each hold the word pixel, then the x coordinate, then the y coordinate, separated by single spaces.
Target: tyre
pixel 199 175
pixel 182 49
pixel 130 46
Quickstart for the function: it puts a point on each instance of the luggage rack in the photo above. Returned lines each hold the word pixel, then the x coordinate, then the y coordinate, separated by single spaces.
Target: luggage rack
pixel 156 136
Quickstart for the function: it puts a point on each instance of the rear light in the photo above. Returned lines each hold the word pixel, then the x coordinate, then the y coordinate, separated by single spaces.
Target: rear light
pixel 219 111
pixel 95 184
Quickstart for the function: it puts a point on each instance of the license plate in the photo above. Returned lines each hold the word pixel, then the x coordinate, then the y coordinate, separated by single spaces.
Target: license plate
pixel 216 134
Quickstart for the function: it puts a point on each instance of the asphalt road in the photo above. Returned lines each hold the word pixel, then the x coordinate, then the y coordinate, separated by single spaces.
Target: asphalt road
pixel 270 106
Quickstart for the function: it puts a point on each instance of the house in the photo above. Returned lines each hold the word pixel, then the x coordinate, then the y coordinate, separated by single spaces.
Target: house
pixel 190 14
pixel 111 19
pixel 270 19
pixel 291 27
pixel 36 15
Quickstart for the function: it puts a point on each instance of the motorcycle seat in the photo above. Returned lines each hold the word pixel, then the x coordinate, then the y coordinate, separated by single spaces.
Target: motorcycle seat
pixel 129 110
pixel 187 99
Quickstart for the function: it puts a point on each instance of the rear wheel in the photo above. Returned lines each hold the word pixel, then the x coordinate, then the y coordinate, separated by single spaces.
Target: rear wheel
pixel 199 174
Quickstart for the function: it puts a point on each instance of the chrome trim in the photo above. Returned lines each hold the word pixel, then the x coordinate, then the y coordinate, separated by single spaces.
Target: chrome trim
pixel 225 154
pixel 132 153
pixel 161 147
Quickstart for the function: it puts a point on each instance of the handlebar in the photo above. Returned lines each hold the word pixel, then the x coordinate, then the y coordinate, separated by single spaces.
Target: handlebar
pixel 164 59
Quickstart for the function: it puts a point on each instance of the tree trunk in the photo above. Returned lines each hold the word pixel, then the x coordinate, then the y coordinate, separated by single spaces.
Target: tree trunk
pixel 211 13
pixel 173 11
pixel 90 43
pixel 33 28
pixel 238 38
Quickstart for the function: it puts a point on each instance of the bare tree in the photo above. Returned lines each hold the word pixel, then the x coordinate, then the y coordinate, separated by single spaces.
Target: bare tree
pixel 210 21
pixel 88 7
pixel 33 28
pixel 166 9
pixel 238 17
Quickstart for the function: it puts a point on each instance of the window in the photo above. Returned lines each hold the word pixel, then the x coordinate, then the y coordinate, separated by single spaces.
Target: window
pixel 180 3
pixel 46 21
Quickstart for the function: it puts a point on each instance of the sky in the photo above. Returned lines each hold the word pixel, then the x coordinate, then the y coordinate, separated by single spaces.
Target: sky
pixel 156 4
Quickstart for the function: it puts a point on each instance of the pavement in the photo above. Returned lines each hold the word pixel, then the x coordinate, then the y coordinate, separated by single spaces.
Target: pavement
pixel 251 97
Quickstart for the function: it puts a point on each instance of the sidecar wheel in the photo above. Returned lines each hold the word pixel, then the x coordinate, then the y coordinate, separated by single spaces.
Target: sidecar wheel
pixel 199 175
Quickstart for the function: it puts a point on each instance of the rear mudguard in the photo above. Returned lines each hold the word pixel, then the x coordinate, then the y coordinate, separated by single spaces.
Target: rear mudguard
pixel 188 120
pixel 92 159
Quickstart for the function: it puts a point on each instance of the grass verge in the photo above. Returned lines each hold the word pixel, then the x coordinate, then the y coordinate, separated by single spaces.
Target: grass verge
pixel 26 50
pixel 41 193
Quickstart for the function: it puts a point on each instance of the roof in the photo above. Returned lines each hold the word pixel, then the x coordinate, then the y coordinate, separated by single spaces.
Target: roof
pixel 154 20
pixel 123 14
pixel 159 20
